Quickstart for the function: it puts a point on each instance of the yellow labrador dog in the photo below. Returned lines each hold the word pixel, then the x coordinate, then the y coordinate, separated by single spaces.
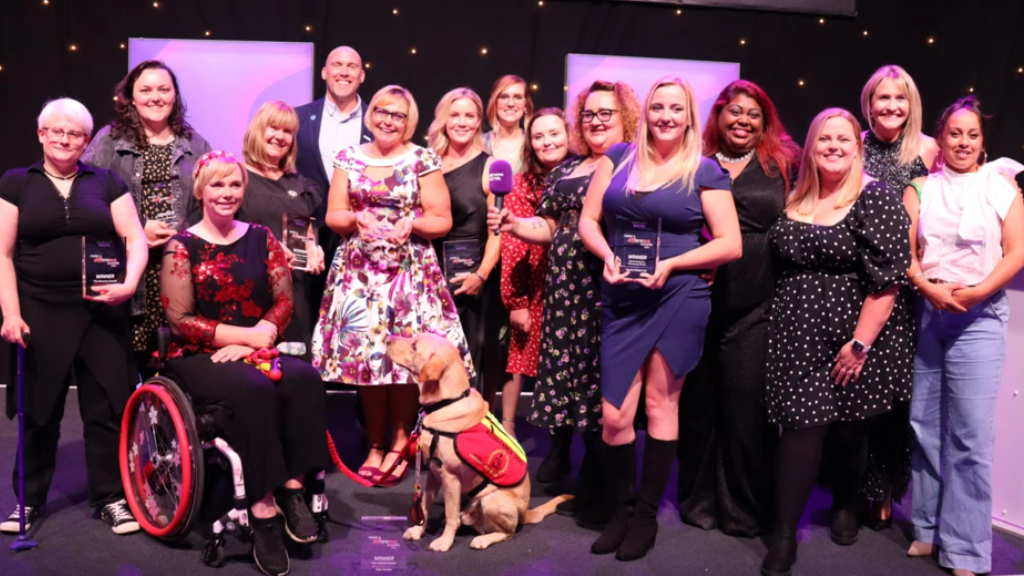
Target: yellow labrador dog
pixel 495 512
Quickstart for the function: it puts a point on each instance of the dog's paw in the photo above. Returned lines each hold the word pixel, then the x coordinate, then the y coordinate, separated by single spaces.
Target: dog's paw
pixel 481 542
pixel 442 544
pixel 414 533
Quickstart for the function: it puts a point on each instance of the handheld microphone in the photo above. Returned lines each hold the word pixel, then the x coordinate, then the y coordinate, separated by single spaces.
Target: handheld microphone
pixel 500 178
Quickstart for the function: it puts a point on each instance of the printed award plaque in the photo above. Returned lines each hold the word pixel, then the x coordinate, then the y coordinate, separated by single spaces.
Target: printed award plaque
pixel 382 550
pixel 103 262
pixel 637 246
pixel 299 237
pixel 460 257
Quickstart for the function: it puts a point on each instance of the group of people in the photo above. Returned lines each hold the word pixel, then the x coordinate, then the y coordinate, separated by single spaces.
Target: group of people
pixel 850 293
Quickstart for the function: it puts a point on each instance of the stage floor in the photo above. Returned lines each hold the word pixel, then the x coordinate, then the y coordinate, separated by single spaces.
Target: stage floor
pixel 72 542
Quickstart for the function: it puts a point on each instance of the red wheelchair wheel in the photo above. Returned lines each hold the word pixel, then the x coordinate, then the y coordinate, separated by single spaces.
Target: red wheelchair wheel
pixel 161 459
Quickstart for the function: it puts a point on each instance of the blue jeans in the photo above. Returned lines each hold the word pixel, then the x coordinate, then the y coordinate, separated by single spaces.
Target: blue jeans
pixel 957 371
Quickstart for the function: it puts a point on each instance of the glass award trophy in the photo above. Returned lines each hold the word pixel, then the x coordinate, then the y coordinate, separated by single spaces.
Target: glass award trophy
pixel 104 261
pixel 164 197
pixel 637 246
pixel 382 550
pixel 460 257
pixel 300 238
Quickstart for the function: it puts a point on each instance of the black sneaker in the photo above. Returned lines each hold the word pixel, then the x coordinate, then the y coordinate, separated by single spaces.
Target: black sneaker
pixel 13 523
pixel 268 545
pixel 119 516
pixel 298 520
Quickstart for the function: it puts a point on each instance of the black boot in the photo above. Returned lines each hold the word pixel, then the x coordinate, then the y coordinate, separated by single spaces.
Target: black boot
pixel 556 464
pixel 782 553
pixel 590 491
pixel 659 458
pixel 620 478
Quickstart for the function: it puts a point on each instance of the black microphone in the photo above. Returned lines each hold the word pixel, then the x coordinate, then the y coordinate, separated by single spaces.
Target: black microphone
pixel 500 178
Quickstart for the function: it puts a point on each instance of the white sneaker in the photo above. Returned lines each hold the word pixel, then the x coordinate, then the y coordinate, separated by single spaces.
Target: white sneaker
pixel 119 516
pixel 12 525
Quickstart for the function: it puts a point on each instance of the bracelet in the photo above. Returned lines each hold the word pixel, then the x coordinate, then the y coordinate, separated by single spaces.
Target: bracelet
pixel 913 280
pixel 482 279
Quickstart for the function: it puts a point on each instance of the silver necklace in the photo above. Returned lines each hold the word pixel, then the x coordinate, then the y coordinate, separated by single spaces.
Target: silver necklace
pixel 726 160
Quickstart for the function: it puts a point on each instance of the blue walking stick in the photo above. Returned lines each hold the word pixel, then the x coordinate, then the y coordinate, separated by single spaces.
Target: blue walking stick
pixel 22 542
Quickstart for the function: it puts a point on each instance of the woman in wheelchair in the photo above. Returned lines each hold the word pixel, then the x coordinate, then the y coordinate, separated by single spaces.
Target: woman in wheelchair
pixel 227 290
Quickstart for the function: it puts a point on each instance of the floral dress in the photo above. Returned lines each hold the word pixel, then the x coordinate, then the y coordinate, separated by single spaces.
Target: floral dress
pixel 157 202
pixel 568 389
pixel 376 289
pixel 523 275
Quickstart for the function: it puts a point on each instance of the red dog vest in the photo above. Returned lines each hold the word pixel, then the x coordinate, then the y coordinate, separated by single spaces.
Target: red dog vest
pixel 492 452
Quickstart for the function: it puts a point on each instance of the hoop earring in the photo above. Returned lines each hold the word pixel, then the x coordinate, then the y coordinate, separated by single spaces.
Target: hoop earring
pixel 983 158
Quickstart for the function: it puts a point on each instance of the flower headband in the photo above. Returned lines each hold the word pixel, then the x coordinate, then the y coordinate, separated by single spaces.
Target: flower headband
pixel 209 157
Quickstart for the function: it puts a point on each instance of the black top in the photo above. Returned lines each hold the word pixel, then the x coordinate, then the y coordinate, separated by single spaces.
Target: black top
pixel 266 200
pixel 469 203
pixel 745 284
pixel 48 254
pixel 882 162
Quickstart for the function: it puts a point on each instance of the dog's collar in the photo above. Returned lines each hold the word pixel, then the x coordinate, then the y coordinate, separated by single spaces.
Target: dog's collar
pixel 445 403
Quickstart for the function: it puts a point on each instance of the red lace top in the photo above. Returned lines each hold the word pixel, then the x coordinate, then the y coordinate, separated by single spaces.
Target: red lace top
pixel 204 284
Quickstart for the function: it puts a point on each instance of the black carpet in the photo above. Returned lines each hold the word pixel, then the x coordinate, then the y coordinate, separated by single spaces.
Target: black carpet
pixel 72 542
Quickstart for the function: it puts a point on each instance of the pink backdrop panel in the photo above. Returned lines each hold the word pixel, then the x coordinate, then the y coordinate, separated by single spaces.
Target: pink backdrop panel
pixel 706 78
pixel 223 83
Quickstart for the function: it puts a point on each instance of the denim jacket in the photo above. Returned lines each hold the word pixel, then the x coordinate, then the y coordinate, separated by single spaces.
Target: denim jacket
pixel 123 157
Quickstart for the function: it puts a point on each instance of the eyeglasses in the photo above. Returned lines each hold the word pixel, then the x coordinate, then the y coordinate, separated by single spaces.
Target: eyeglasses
pixel 381 114
pixel 604 115
pixel 58 134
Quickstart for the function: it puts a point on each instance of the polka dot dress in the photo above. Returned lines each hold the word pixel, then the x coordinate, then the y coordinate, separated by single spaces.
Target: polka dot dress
pixel 827 272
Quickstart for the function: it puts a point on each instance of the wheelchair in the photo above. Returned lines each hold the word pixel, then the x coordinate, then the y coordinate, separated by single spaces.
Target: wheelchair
pixel 164 450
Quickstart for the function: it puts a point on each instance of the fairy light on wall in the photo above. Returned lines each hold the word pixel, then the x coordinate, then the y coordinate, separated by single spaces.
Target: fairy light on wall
pixel 394 11
pixel 483 51
pixel 799 82
pixel 743 41
pixel 931 40
pixel 207 33
pixel 412 50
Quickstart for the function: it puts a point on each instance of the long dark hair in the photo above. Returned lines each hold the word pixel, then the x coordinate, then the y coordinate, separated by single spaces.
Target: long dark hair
pixel 777 153
pixel 532 168
pixel 127 124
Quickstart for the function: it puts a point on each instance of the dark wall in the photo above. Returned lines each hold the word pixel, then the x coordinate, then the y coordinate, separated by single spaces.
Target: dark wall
pixel 976 44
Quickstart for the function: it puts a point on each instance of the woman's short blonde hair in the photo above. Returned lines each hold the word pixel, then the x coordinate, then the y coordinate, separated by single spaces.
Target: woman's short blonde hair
pixel 437 136
pixel 500 86
pixel 254 149
pixel 910 149
pixel 629 109
pixel 214 165
pixel 807 189
pixel 686 158
pixel 389 95
pixel 69 108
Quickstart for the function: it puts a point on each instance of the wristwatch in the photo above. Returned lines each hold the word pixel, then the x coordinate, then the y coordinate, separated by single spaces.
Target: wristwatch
pixel 860 347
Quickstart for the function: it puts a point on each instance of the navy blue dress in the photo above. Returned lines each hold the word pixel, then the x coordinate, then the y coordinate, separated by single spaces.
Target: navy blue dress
pixel 638 319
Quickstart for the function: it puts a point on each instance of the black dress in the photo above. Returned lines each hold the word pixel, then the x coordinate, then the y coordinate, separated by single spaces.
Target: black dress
pixel 890 437
pixel 469 222
pixel 827 271
pixel 157 201
pixel 568 389
pixel 265 202
pixel 278 429
pixel 69 334
pixel 727 455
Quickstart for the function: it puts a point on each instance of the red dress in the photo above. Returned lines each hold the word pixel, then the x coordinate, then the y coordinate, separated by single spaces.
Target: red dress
pixel 523 272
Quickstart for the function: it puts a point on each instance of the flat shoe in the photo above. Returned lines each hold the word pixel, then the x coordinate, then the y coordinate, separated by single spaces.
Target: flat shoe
pixel 920 549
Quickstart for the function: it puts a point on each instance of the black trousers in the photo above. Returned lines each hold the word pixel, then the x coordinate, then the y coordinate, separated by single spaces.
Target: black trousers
pixel 102 426
pixel 278 429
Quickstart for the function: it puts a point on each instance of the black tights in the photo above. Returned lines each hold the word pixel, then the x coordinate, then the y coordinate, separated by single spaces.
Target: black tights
pixel 799 459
